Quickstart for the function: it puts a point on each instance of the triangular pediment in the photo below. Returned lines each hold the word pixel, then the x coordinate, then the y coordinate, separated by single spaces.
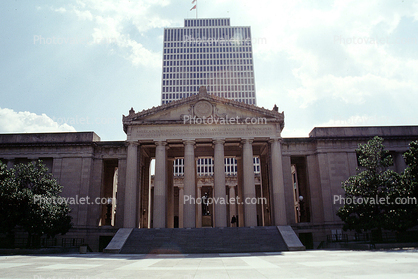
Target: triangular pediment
pixel 202 107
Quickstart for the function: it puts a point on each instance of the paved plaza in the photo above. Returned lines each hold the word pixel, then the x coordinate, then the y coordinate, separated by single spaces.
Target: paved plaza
pixel 309 264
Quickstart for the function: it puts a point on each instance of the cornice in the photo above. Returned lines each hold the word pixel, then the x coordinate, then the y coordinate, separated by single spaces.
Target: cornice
pixel 132 116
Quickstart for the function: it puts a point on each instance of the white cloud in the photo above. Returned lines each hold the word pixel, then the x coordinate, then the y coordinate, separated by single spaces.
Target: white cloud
pixel 350 89
pixel 112 17
pixel 358 120
pixel 316 38
pixel 303 57
pixel 61 10
pixel 110 30
pixel 27 122
pixel 84 15
pixel 295 133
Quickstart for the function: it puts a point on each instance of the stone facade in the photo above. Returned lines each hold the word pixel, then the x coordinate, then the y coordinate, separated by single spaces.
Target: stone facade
pixel 298 176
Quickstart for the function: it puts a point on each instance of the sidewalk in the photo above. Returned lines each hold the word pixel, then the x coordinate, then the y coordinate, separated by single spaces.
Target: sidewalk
pixel 308 264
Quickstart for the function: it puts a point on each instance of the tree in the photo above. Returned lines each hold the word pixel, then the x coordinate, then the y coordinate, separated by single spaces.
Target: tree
pixel 374 193
pixel 411 174
pixel 411 159
pixel 28 199
pixel 8 205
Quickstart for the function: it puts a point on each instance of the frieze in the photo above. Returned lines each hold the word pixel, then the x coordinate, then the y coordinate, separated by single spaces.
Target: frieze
pixel 227 131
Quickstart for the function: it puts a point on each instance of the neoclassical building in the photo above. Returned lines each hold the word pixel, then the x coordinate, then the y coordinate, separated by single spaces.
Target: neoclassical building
pixel 295 184
pixel 187 129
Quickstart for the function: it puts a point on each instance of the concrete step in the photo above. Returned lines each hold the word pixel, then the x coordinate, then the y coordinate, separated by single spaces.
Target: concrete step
pixel 204 240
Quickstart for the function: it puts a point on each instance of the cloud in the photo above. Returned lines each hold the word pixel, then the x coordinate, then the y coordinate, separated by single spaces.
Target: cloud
pixel 113 20
pixel 323 57
pixel 358 120
pixel 27 122
pixel 295 133
pixel 83 15
pixel 60 10
pixel 350 89
pixel 312 58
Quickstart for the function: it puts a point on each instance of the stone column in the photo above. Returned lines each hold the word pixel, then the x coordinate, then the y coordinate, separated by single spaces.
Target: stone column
pixel 219 184
pixel 250 210
pixel 232 206
pixel 240 205
pixel 160 185
pixel 145 193
pixel 120 204
pixel 181 206
pixel 277 183
pixel 141 170
pixel 199 207
pixel 170 193
pixel 266 189
pixel 131 184
pixel 262 205
pixel 189 220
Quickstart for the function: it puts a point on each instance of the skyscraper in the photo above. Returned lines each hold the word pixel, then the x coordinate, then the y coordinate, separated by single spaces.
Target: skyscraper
pixel 208 52
pixel 211 53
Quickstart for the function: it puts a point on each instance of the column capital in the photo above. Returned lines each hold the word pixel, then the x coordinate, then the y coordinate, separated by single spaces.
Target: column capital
pixel 249 140
pixel 218 141
pixel 189 142
pixel 275 139
pixel 133 143
pixel 231 186
pixel 160 143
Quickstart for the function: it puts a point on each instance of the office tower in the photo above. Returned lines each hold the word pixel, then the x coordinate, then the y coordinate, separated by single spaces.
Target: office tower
pixel 211 53
pixel 208 52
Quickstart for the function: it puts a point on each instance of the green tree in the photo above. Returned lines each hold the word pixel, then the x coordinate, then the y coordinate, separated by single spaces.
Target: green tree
pixel 8 205
pixel 29 200
pixel 411 159
pixel 411 175
pixel 378 188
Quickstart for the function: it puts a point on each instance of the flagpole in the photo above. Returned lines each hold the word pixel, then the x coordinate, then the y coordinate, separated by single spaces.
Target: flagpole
pixel 194 7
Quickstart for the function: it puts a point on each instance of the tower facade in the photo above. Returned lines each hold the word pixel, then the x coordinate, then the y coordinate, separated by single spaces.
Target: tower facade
pixel 211 53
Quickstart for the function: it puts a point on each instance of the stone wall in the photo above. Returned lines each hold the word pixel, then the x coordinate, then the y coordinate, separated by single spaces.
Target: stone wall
pixel 331 158
pixel 78 160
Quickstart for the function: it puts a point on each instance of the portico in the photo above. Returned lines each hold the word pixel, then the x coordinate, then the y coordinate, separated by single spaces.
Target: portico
pixel 202 126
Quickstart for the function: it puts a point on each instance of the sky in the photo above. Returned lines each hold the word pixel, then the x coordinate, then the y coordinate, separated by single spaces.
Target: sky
pixel 79 65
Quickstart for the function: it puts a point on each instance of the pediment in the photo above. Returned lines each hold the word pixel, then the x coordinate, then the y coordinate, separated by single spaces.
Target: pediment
pixel 202 107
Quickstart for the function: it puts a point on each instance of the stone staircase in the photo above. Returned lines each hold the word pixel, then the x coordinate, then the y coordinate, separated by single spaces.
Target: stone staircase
pixel 204 240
